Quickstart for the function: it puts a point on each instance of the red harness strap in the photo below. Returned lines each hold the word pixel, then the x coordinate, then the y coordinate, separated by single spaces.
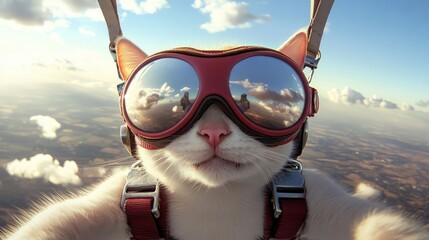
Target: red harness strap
pixel 144 226
pixel 289 223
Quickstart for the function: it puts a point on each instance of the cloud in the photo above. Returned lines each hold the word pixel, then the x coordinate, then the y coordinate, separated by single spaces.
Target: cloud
pixel 423 103
pixel 245 83
pixel 144 7
pixel 225 14
pixel 346 96
pixel 46 167
pixel 285 103
pixel 24 11
pixel 86 32
pixel 48 125
pixel 185 89
pixel 166 90
pixel 406 107
pixel 263 93
pixel 349 96
pixel 375 101
pixel 146 100
pixel 48 13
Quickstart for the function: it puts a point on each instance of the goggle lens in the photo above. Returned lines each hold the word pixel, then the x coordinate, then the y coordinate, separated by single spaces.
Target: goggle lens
pixel 268 91
pixel 160 94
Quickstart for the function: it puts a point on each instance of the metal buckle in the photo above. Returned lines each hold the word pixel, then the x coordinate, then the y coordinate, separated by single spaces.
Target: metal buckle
pixel 112 50
pixel 289 183
pixel 141 186
pixel 312 62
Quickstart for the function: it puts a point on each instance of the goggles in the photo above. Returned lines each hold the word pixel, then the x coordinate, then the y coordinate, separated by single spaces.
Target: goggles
pixel 261 90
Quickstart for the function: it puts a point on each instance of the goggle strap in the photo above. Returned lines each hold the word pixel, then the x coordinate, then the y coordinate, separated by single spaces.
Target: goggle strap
pixel 144 144
pixel 286 140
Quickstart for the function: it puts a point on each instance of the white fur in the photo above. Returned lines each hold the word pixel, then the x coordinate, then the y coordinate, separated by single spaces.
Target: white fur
pixel 226 203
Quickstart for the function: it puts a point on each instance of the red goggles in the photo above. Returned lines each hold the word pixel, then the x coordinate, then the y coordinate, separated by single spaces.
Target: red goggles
pixel 261 90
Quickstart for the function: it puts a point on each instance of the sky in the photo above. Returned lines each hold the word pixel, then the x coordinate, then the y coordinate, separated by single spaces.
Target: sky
pixel 373 52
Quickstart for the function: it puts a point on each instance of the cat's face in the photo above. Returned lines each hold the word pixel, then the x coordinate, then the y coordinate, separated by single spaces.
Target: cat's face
pixel 215 152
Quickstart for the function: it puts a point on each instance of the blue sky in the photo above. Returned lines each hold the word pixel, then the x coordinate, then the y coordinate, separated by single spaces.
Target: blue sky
pixel 372 47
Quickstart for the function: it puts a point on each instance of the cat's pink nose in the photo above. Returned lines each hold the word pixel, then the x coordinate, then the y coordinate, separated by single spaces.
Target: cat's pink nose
pixel 214 134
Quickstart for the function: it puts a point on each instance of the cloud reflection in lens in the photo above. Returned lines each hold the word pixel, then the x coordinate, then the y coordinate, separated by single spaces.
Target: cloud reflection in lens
pixel 160 94
pixel 274 93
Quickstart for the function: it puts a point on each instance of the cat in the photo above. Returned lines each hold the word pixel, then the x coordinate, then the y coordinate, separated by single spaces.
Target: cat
pixel 215 199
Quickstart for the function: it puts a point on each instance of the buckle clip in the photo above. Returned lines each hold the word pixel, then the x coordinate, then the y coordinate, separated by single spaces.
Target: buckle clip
pixel 289 183
pixel 312 62
pixel 136 187
pixel 112 50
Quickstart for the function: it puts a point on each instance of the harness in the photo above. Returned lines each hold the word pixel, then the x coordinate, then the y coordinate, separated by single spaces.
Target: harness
pixel 145 201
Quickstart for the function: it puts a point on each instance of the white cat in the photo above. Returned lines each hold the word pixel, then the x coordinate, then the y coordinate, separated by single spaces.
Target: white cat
pixel 215 199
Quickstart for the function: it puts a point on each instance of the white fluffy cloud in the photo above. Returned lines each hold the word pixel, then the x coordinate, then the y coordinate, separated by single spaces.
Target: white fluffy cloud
pixel 349 96
pixel 48 125
pixel 406 107
pixel 375 101
pixel 225 14
pixel 346 96
pixel 143 7
pixel 185 89
pixel 46 167
pixel 145 99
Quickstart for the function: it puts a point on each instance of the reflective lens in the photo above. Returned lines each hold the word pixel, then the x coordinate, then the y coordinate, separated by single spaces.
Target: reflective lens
pixel 160 94
pixel 268 91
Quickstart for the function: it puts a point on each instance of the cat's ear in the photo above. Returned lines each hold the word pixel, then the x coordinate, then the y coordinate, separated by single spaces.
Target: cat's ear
pixel 128 57
pixel 296 48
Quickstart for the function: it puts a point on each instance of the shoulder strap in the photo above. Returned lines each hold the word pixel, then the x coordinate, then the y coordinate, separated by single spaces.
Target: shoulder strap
pixel 110 13
pixel 142 201
pixel 286 211
pixel 319 12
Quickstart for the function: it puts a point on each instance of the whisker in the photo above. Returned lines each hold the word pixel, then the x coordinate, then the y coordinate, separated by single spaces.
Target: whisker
pixel 110 163
pixel 261 171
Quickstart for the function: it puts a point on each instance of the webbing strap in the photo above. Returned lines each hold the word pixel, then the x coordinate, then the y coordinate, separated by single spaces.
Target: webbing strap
pixel 110 13
pixel 140 219
pixel 292 219
pixel 319 12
